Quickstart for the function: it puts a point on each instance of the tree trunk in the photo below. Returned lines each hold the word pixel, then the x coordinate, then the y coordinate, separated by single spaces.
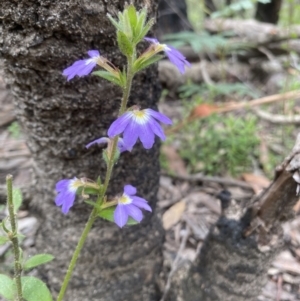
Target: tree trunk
pixel 39 40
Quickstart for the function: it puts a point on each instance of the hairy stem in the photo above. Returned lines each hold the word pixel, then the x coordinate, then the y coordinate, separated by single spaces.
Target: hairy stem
pixel 13 237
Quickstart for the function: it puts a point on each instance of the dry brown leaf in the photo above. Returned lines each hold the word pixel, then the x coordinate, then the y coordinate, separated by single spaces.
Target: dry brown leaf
pixel 173 215
pixel 257 182
pixel 175 162
pixel 203 110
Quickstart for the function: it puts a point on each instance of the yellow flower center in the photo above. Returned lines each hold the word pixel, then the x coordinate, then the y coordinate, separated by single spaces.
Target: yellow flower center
pixel 125 199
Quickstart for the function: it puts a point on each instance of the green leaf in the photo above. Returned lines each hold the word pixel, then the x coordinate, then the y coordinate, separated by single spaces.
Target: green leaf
pixel 37 260
pixel 98 181
pixel 7 287
pixel 145 30
pixel 108 76
pixel 17 199
pixel 124 43
pixel 34 289
pixel 126 25
pixel 132 17
pixel 3 240
pixel 87 190
pixel 108 213
pixel 114 22
pixel 142 64
pixel 92 204
pixel 131 222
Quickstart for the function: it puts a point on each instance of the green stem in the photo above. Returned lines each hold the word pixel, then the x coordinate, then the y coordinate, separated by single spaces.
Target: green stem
pixel 76 253
pixel 14 238
pixel 110 165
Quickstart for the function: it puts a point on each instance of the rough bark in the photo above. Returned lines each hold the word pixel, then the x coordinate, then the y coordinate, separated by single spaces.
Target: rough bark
pixel 38 40
pixel 239 249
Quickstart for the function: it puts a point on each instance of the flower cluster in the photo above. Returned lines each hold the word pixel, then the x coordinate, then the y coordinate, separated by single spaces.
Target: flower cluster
pixel 134 124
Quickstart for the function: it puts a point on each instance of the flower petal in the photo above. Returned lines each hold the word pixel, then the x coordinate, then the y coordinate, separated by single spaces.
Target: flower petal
pixel 134 212
pixel 146 135
pixel 98 141
pixel 120 216
pixel 141 203
pixel 151 40
pixel 62 185
pixel 68 203
pixel 157 129
pixel 93 53
pixel 177 59
pixel 131 134
pixel 119 125
pixel 129 190
pixel 159 116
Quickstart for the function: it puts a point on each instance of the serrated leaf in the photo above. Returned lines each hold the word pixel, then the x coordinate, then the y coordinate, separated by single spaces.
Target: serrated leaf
pixel 108 213
pixel 34 289
pixel 37 260
pixel 7 287
pixel 108 76
pixel 3 240
pixel 124 43
pixel 17 199
pixel 140 65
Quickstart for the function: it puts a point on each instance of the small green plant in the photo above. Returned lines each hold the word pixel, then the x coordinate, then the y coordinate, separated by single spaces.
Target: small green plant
pixel 15 130
pixel 220 145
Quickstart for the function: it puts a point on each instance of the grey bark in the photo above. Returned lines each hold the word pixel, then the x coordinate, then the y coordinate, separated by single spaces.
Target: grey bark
pixel 38 40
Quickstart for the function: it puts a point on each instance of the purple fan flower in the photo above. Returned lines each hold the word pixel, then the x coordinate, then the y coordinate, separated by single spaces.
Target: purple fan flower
pixel 130 205
pixel 82 67
pixel 139 124
pixel 173 54
pixel 66 189
pixel 121 146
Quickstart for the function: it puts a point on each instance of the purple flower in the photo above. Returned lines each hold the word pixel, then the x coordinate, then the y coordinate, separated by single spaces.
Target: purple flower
pixel 83 67
pixel 173 54
pixel 66 189
pixel 130 205
pixel 139 124
pixel 121 146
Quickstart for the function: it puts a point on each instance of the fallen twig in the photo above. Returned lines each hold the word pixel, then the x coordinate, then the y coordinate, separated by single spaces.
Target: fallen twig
pixel 279 119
